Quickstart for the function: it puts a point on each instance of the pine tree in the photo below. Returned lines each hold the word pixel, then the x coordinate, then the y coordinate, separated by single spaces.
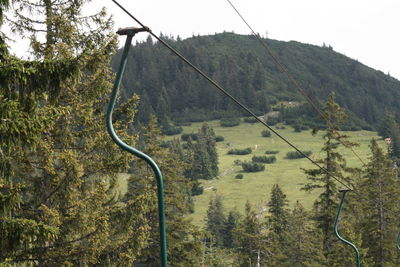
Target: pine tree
pixel 334 163
pixel 61 178
pixel 379 221
pixel 231 224
pixel 184 245
pixel 303 246
pixel 249 241
pixel 215 221
pixel 278 218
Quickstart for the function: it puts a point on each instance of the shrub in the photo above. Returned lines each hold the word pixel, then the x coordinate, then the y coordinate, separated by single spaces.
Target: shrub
pixel 300 127
pixel 245 151
pixel 250 120
pixel 229 122
pixel 265 133
pixel 253 166
pixel 264 159
pixel 185 137
pixel 270 152
pixel 172 130
pixel 219 138
pixel 297 155
pixel 239 176
pixel 183 123
pixel 272 121
pixel 280 127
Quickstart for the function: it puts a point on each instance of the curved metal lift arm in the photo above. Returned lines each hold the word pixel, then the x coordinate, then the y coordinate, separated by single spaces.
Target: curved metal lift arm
pixel 398 241
pixel 130 32
pixel 336 230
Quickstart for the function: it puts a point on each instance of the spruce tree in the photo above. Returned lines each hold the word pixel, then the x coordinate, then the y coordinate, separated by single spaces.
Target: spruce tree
pixel 303 246
pixel 334 163
pixel 215 221
pixel 59 173
pixel 278 218
pixel 249 241
pixel 379 221
pixel 184 245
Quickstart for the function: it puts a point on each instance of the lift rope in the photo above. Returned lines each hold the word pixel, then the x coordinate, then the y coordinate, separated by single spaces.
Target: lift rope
pixel 357 253
pixel 130 32
pixel 222 90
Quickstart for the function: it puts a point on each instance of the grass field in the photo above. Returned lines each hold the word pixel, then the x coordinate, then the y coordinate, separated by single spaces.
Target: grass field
pixel 256 187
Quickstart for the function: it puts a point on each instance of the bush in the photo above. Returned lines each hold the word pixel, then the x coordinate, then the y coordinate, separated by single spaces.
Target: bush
pixel 183 123
pixel 245 151
pixel 297 155
pixel 185 137
pixel 272 121
pixel 172 130
pixel 219 138
pixel 264 159
pixel 239 176
pixel 280 127
pixel 271 152
pixel 253 166
pixel 265 133
pixel 229 122
pixel 300 127
pixel 250 120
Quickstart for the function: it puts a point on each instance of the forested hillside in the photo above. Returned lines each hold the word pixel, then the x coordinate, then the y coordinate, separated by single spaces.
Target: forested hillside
pixel 171 89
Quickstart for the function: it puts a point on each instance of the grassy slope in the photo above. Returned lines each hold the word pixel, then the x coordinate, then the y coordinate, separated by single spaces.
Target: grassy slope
pixel 256 187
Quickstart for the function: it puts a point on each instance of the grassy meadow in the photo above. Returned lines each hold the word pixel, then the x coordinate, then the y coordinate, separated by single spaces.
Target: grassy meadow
pixel 256 187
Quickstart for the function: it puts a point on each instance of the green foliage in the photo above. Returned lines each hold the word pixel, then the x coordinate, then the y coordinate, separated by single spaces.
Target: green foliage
pixel 379 213
pixel 266 133
pixel 250 120
pixel 334 163
pixel 201 156
pixel 252 166
pixel 172 130
pixel 185 137
pixel 271 152
pixel 241 65
pixel 215 221
pixel 297 155
pixel 219 138
pixel 264 159
pixel 237 151
pixel 229 122
pixel 239 176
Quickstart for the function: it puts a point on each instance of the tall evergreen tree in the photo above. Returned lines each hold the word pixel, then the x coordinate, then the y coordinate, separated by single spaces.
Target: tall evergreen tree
pixel 380 208
pixel 303 246
pixel 278 218
pixel 215 221
pixel 184 245
pixel 59 170
pixel 249 241
pixel 334 163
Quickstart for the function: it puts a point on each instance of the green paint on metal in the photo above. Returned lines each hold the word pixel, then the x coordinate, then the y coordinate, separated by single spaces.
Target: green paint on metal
pixel 398 241
pixel 130 32
pixel 357 253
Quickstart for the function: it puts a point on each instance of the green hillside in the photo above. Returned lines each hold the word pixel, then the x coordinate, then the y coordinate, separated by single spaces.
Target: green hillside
pixel 238 62
pixel 256 187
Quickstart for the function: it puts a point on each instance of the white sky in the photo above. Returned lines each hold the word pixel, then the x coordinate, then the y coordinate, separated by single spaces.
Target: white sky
pixel 366 30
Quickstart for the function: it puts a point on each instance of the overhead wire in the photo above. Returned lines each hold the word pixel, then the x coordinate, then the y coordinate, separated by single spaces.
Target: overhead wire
pixel 226 93
pixel 282 67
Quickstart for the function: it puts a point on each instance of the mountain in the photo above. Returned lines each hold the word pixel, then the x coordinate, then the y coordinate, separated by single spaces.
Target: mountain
pixel 172 90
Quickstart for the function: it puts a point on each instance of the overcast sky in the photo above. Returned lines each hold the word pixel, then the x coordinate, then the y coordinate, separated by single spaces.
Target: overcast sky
pixel 366 30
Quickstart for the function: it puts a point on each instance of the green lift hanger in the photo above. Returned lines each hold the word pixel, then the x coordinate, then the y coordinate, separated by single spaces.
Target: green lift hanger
pixel 336 230
pixel 130 32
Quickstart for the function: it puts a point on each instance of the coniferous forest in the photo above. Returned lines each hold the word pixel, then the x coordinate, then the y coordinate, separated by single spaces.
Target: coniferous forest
pixel 61 202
